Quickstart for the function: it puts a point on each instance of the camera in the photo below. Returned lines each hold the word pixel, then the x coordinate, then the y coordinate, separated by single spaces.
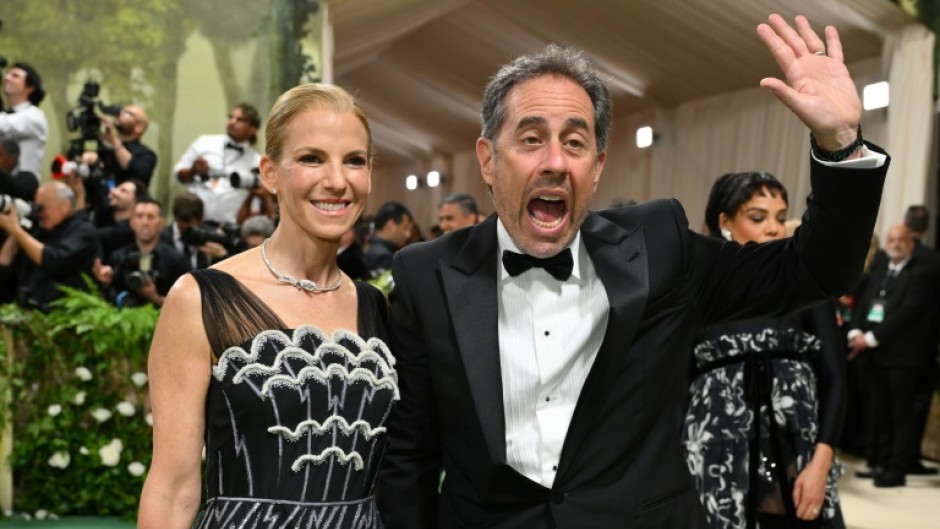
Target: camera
pixel 140 270
pixel 246 179
pixel 24 210
pixel 199 235
pixel 85 121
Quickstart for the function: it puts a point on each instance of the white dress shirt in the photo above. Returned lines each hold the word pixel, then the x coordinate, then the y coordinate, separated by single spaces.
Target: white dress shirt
pixel 220 200
pixel 549 334
pixel 27 125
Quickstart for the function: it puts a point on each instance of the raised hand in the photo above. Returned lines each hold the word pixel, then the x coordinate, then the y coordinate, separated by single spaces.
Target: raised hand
pixel 818 87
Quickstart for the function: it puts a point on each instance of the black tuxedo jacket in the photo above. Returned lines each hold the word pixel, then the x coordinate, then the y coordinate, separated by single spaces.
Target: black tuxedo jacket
pixel 910 311
pixel 621 465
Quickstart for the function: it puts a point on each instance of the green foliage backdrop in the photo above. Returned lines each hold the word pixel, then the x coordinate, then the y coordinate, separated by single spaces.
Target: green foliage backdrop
pixel 80 412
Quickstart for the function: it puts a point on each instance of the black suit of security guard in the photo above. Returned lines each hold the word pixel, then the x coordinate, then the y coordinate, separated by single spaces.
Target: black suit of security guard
pixel 898 309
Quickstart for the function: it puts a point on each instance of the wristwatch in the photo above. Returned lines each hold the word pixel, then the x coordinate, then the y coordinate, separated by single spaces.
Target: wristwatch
pixel 836 156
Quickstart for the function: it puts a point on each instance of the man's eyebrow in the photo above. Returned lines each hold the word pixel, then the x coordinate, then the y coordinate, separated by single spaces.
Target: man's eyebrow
pixel 577 123
pixel 530 120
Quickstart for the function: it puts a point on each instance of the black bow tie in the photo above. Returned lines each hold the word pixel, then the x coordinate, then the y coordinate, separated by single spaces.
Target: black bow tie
pixel 559 266
pixel 239 148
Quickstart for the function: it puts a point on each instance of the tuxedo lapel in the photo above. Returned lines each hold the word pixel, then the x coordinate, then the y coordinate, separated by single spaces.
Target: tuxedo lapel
pixel 619 258
pixel 470 287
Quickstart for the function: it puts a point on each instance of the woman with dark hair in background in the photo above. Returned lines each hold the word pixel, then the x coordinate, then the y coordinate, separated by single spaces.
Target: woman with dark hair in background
pixel 767 396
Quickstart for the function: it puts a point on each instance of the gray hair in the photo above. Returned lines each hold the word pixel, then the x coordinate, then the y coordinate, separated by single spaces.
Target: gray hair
pixel 65 193
pixel 565 61
pixel 465 202
pixel 257 225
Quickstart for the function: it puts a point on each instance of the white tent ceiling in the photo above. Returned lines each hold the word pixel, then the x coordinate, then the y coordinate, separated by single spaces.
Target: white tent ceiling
pixel 419 66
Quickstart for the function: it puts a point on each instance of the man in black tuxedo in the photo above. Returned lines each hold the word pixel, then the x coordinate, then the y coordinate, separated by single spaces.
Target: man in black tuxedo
pixel 894 321
pixel 548 395
pixel 917 221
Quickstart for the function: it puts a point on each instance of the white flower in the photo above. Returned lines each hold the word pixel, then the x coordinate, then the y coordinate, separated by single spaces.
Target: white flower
pixel 60 460
pixel 26 516
pixel 149 419
pixel 79 398
pixel 83 373
pixel 136 468
pixel 53 516
pixel 101 414
pixel 125 408
pixel 111 453
pixel 41 514
pixel 54 410
pixel 83 451
pixel 139 379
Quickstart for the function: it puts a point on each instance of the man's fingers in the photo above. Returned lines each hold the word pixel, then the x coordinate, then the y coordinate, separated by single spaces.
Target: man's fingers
pixel 833 44
pixel 789 35
pixel 781 52
pixel 787 95
pixel 812 40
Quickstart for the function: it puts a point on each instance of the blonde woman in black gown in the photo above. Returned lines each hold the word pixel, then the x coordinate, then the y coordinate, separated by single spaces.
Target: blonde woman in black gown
pixel 275 360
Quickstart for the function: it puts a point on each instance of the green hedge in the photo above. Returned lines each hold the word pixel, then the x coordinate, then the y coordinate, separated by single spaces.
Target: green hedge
pixel 80 408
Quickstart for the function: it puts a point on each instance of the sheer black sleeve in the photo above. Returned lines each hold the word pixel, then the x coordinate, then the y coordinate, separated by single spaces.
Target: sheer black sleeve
pixel 830 370
pixel 231 314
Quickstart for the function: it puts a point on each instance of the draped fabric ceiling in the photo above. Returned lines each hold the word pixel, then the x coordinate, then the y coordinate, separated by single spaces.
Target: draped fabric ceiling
pixel 419 66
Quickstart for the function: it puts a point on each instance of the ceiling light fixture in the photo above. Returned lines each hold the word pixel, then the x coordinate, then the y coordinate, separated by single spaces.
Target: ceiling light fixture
pixel 644 137
pixel 875 95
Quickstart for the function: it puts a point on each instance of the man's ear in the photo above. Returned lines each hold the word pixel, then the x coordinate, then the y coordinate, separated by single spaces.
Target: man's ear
pixel 486 155
pixel 599 167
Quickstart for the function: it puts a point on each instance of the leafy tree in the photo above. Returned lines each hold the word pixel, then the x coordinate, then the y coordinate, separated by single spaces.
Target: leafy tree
pixel 229 24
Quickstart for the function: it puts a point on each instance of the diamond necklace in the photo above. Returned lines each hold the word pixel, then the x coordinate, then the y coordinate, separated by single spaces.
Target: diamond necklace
pixel 300 284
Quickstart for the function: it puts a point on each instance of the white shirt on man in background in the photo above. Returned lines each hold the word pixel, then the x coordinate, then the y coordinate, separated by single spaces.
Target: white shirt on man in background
pixel 28 127
pixel 220 200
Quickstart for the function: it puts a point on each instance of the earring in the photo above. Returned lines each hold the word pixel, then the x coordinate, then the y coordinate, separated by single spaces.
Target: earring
pixel 273 191
pixel 726 233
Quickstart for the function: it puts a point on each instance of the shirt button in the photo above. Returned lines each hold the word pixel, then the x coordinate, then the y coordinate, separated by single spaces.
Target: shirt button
pixel 547 399
pixel 554 467
pixel 547 333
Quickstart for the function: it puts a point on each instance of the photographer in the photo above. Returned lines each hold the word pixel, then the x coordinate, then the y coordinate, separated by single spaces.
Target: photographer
pixel 211 160
pixel 13 182
pixel 143 271
pixel 188 214
pixel 58 251
pixel 22 89
pixel 122 155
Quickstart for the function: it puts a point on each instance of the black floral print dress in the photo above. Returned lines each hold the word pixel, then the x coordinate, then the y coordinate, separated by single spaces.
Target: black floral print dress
pixel 756 412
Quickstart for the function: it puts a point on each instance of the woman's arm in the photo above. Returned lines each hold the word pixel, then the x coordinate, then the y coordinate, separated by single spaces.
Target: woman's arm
pixel 809 491
pixel 179 369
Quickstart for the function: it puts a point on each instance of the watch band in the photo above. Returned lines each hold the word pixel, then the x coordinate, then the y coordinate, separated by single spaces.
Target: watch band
pixel 840 155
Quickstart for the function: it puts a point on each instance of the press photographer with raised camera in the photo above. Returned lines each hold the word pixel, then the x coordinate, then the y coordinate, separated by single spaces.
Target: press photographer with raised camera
pixel 24 122
pixel 122 154
pixel 107 148
pixel 211 161
pixel 144 271
pixel 188 216
pixel 53 253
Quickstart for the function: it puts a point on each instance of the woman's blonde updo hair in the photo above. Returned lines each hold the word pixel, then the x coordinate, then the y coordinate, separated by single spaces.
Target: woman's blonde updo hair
pixel 306 97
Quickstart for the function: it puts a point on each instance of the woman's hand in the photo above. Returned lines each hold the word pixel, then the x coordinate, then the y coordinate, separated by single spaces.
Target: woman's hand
pixel 809 491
